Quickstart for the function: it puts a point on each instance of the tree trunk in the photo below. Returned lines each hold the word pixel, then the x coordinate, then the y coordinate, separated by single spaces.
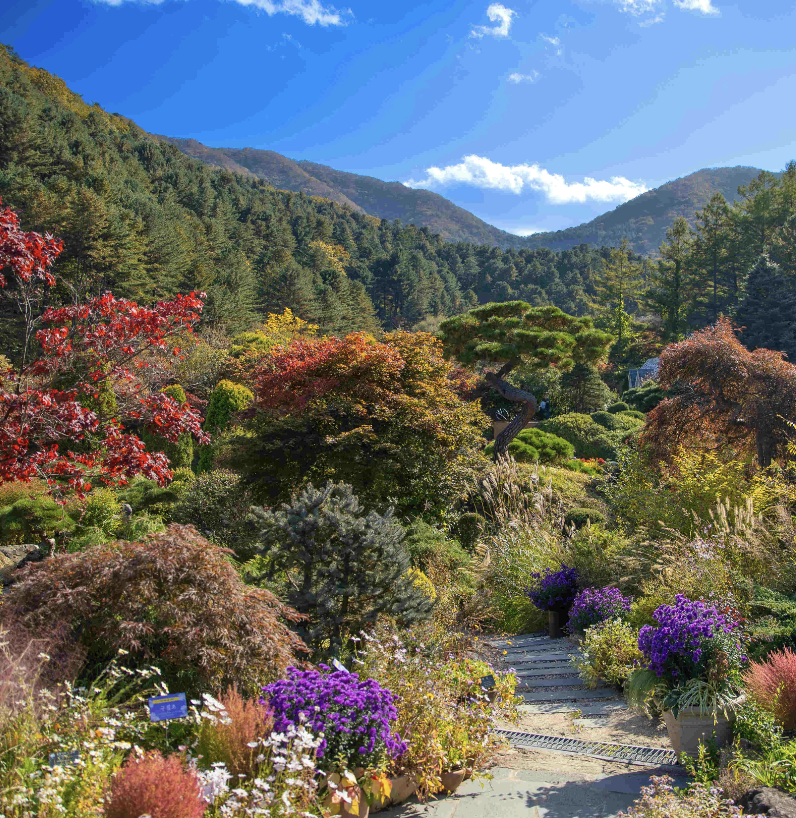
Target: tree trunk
pixel 765 447
pixel 518 422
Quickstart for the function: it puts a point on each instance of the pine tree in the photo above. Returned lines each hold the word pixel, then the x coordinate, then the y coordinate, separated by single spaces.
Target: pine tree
pixel 670 287
pixel 710 255
pixel 618 289
pixel 766 313
pixel 583 389
pixel 344 568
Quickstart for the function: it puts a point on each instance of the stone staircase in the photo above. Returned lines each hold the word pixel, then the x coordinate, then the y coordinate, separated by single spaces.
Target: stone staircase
pixel 547 679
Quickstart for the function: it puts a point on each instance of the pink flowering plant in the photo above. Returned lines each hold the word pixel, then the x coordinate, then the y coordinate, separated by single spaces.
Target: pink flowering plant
pixel 693 657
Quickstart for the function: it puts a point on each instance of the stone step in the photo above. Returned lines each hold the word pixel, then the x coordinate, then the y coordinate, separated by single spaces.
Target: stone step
pixel 563 671
pixel 513 640
pixel 546 657
pixel 566 695
pixel 601 709
pixel 559 681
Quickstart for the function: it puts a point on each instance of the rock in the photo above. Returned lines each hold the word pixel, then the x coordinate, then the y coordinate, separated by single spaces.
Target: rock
pixel 768 801
pixel 13 557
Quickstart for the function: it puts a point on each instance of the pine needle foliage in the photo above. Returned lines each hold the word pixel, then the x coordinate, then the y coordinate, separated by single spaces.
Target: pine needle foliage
pixel 343 567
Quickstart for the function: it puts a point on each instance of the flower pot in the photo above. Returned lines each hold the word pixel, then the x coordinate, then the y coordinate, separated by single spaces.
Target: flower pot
pixel 690 727
pixel 556 622
pixel 452 780
pixel 403 788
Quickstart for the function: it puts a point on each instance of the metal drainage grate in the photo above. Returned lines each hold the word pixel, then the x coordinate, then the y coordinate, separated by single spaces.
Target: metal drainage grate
pixel 596 749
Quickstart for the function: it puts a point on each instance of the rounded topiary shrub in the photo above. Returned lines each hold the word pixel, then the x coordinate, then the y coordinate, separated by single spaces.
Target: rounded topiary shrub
pixel 580 516
pixel 227 400
pixel 607 420
pixel 589 438
pixel 468 529
pixel 633 413
pixel 533 445
pixel 614 408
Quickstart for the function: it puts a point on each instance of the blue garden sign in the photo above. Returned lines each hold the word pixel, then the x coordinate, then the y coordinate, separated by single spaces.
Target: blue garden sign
pixel 487 682
pixel 64 758
pixel 338 665
pixel 171 706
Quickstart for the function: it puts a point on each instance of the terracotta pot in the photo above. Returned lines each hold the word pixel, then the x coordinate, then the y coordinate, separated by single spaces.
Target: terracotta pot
pixel 556 622
pixel 690 727
pixel 452 780
pixel 403 788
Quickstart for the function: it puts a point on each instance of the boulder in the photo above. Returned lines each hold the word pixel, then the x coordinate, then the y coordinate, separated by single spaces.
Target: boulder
pixel 768 801
pixel 13 557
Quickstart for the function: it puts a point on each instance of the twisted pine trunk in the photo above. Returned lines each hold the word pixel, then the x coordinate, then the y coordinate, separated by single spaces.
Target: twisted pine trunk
pixel 526 411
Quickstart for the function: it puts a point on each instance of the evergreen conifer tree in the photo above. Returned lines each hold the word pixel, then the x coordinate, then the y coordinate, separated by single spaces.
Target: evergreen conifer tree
pixel 766 314
pixel 583 389
pixel 344 567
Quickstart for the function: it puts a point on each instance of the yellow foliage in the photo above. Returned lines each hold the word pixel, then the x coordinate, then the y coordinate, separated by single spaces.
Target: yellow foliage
pixel 422 583
pixel 278 330
pixel 336 256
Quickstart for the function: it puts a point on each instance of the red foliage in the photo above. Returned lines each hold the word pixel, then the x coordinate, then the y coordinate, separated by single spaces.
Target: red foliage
pixel 175 600
pixel 724 394
pixel 45 407
pixel 155 786
pixel 772 684
pixel 29 255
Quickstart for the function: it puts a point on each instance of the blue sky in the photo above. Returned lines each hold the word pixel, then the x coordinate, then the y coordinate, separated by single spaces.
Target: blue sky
pixel 533 114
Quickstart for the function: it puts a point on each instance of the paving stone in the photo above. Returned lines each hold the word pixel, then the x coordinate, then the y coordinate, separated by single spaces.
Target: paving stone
pixel 604 708
pixel 566 695
pixel 560 681
pixel 558 670
pixel 556 657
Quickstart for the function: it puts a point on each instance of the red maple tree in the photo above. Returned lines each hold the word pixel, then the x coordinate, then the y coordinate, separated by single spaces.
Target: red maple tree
pixel 48 428
pixel 723 395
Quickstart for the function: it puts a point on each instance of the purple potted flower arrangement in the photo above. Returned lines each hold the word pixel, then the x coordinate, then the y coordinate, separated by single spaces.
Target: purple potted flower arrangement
pixel 694 658
pixel 554 592
pixel 595 605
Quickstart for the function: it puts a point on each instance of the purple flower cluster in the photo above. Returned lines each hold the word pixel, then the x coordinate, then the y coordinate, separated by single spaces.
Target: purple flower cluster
pixel 354 716
pixel 595 605
pixel 554 590
pixel 688 636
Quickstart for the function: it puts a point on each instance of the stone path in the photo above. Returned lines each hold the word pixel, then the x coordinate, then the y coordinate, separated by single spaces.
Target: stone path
pixel 547 680
pixel 531 794
pixel 548 683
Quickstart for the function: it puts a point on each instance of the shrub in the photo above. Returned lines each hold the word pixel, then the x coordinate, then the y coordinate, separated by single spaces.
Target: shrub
pixel 595 605
pixel 228 398
pixel 594 551
pixel 662 800
pixel 469 527
pixel 609 653
pixel 354 716
pixel 621 406
pixel 428 545
pixel 580 516
pixel 645 398
pixel 228 737
pixel 757 726
pixel 99 521
pixel 33 519
pixel 589 438
pixel 772 684
pixel 581 467
pixel 218 505
pixel 607 420
pixel 634 413
pixel 155 786
pixel 554 590
pixel 343 568
pixel 533 445
pixel 174 599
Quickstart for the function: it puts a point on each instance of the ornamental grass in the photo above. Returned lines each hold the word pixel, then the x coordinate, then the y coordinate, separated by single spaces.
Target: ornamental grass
pixel 772 684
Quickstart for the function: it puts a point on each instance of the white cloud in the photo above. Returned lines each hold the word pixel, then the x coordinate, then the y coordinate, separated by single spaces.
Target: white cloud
pixel 482 172
pixel 658 18
pixel 502 18
pixel 639 7
pixel 555 42
pixel 702 6
pixel 518 78
pixel 310 11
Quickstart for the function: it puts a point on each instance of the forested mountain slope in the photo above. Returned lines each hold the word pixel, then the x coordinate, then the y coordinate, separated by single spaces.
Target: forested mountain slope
pixel 385 200
pixel 141 218
pixel 643 221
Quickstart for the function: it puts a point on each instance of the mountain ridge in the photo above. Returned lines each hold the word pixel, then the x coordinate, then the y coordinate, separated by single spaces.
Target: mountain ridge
pixel 643 220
